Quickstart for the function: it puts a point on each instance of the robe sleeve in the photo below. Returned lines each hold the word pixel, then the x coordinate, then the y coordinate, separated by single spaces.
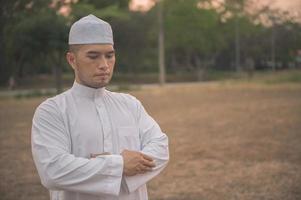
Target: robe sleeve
pixel 59 169
pixel 154 143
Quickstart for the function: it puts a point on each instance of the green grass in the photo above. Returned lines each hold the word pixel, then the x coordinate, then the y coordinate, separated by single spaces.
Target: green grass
pixel 41 85
pixel 261 77
pixel 220 75
pixel 293 76
pixel 34 93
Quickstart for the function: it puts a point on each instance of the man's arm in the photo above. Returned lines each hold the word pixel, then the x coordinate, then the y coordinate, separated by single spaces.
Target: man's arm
pixel 154 144
pixel 136 163
pixel 59 169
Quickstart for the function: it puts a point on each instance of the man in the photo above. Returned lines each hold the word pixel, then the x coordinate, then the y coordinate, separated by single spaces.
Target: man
pixel 89 143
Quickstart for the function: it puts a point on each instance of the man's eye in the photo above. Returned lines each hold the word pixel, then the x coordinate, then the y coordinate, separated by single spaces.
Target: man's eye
pixel 93 57
pixel 109 56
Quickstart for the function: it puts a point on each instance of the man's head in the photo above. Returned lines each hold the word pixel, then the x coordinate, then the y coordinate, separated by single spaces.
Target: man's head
pixel 91 52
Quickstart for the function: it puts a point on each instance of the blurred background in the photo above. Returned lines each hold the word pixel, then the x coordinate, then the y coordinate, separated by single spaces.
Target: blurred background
pixel 184 40
pixel 221 77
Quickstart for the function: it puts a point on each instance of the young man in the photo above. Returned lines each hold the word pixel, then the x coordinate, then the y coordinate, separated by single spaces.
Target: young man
pixel 89 143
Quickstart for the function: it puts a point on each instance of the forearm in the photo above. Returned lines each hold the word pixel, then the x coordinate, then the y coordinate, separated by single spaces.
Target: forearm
pixel 61 170
pixel 101 175
pixel 158 150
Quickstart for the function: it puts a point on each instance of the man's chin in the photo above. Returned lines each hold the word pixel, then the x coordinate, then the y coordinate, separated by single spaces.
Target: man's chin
pixel 96 84
pixel 100 84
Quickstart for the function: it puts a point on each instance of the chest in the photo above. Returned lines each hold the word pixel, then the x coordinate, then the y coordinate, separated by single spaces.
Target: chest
pixel 98 128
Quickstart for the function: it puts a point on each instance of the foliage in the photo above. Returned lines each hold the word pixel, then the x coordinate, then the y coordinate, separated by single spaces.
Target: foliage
pixel 290 76
pixel 192 33
pixel 33 36
pixel 105 9
pixel 11 12
pixel 188 24
pixel 38 37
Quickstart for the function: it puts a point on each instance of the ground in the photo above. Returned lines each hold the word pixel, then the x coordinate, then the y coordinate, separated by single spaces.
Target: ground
pixel 227 141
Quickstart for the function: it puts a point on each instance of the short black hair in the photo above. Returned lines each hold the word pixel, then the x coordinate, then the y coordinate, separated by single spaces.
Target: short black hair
pixel 74 47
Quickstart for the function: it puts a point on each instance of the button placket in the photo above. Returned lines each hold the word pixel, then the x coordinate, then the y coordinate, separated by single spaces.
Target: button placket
pixel 100 114
pixel 107 135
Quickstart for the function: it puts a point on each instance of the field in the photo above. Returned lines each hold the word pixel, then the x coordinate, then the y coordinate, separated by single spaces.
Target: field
pixel 227 141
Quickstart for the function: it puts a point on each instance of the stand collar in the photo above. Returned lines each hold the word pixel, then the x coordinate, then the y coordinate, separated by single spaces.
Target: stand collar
pixel 85 91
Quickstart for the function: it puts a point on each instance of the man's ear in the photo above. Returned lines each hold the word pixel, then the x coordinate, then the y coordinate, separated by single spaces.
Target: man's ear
pixel 70 56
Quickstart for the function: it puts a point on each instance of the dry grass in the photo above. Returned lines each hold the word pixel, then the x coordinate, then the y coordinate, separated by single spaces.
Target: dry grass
pixel 226 142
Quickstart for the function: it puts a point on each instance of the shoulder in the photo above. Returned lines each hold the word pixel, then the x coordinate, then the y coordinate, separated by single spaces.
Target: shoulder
pixel 52 105
pixel 49 114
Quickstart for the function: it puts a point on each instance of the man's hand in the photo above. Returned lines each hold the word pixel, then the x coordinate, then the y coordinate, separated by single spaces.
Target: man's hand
pixel 136 163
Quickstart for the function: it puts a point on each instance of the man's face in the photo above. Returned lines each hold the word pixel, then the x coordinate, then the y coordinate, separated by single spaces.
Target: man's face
pixel 93 64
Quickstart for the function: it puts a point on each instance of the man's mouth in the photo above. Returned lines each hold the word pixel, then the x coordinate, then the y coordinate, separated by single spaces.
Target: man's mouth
pixel 102 75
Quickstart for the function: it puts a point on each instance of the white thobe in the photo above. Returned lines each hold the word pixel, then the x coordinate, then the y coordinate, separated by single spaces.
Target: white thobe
pixel 69 127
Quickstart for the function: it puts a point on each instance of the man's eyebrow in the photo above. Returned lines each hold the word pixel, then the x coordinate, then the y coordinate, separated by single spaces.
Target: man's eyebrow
pixel 97 52
pixel 93 52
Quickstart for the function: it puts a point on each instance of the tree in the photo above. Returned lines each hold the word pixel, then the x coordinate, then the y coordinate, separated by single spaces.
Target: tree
pixel 193 34
pixel 37 38
pixel 105 9
pixel 236 8
pixel 161 44
pixel 9 15
pixel 34 36
pixel 274 44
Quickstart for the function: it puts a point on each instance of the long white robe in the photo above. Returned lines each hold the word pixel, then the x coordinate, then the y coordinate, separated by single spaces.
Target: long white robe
pixel 69 127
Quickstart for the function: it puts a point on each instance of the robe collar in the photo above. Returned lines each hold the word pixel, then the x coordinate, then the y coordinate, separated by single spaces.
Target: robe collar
pixel 88 92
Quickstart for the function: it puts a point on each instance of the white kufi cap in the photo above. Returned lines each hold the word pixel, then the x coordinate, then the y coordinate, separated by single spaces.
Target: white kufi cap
pixel 90 30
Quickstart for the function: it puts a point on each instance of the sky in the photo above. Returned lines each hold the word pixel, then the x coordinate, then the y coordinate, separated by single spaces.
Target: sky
pixel 289 5
pixel 141 4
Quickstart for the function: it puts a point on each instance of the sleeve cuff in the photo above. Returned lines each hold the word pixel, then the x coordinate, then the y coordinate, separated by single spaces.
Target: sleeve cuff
pixel 114 165
pixel 134 182
pixel 114 170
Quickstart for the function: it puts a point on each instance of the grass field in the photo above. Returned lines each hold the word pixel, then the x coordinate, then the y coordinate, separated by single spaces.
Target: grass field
pixel 228 141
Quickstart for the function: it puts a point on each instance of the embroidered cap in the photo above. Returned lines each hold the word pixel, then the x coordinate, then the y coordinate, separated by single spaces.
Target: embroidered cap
pixel 91 30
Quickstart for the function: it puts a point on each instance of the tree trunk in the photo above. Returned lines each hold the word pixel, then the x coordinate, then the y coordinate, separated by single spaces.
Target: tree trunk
pixel 3 71
pixel 20 68
pixel 58 74
pixel 174 62
pixel 161 53
pixel 200 68
pixel 237 46
pixel 250 67
pixel 273 59
pixel 187 61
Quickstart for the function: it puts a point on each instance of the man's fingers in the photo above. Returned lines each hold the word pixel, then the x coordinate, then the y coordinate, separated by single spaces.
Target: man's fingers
pixel 147 163
pixel 136 162
pixel 148 169
pixel 147 157
pixel 143 169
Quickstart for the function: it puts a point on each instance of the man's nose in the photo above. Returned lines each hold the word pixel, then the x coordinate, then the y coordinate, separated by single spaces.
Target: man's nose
pixel 103 63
